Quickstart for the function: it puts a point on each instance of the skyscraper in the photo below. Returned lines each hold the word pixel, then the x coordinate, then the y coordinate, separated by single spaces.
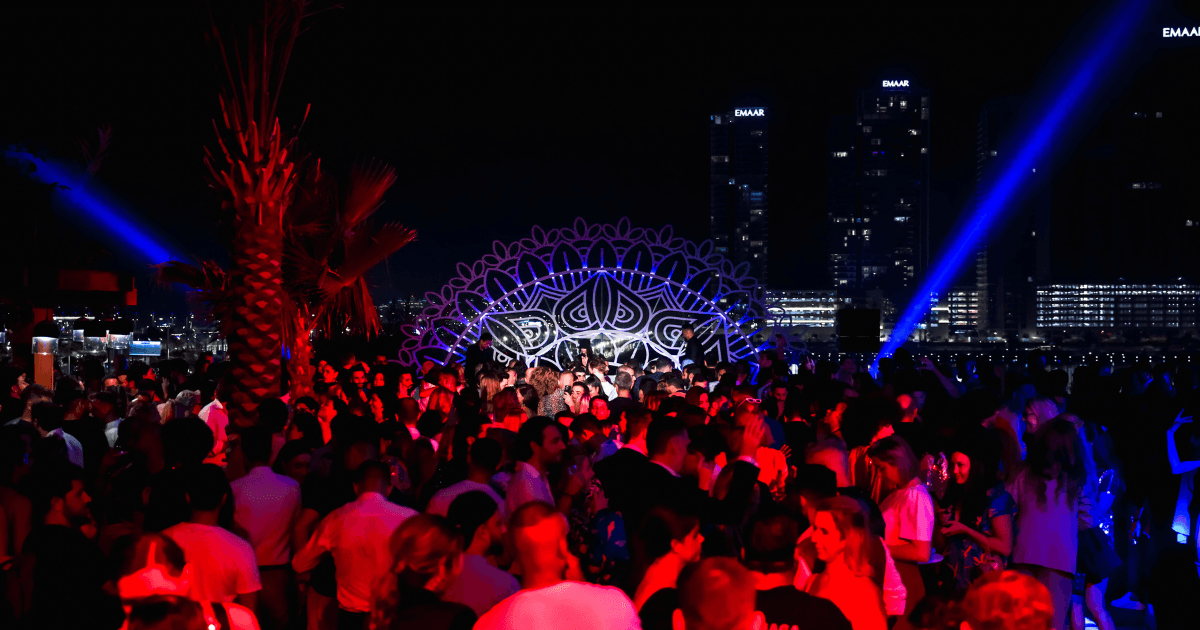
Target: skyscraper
pixel 1015 256
pixel 878 229
pixel 738 190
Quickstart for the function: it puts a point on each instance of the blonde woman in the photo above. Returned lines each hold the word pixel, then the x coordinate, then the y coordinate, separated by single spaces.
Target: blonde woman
pixel 840 537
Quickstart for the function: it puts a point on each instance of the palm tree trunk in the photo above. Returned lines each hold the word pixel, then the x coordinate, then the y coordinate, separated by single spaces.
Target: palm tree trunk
pixel 300 368
pixel 256 332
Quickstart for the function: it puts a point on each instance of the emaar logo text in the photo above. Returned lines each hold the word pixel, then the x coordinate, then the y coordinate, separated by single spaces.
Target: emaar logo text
pixel 903 83
pixel 750 112
pixel 1181 32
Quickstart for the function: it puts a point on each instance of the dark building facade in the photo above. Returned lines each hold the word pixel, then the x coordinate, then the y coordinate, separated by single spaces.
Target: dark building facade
pixel 738 203
pixel 1014 257
pixel 878 219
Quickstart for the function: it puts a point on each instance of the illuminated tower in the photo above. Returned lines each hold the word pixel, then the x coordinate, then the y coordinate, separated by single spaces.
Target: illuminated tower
pixel 738 190
pixel 878 222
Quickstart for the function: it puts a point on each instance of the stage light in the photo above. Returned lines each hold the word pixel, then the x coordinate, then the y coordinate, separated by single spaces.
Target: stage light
pixel 1113 38
pixel 80 195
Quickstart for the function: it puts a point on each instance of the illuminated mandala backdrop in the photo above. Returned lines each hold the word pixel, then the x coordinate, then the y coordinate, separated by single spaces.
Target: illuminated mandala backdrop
pixel 627 290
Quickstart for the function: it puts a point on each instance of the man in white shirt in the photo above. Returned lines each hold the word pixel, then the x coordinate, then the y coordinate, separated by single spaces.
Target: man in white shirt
pixel 224 568
pixel 213 414
pixel 357 535
pixel 483 460
pixel 553 594
pixel 266 506
pixel 540 445
pixel 479 584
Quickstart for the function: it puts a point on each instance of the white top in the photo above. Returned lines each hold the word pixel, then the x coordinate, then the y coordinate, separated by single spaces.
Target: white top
pixel 213 414
pixel 481 585
pixel 223 565
pixel 564 606
pixel 74 448
pixel 527 485
pixel 440 503
pixel 356 535
pixel 265 505
pixel 110 432
pixel 908 514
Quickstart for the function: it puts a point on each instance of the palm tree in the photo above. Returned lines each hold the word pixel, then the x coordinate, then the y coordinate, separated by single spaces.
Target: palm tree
pixel 296 263
pixel 327 251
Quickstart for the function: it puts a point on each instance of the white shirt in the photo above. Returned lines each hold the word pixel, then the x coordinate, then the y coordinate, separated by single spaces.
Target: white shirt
pixel 440 503
pixel 564 606
pixel 223 565
pixel 265 505
pixel 480 585
pixel 110 432
pixel 908 514
pixel 527 485
pixel 356 535
pixel 213 414
pixel 74 448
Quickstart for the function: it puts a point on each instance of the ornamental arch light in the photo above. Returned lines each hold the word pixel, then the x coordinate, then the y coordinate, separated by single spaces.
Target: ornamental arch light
pixel 627 291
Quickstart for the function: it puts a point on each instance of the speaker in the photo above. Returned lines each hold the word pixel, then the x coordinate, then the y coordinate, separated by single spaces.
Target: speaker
pixel 858 330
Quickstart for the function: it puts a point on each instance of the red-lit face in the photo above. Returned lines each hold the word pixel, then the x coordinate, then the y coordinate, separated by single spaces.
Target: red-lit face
pixel 406 382
pixel 329 373
pixel 826 537
pixel 378 381
pixel 689 548
pixel 75 502
pixel 359 378
pixel 577 393
pixel 599 408
pixel 449 381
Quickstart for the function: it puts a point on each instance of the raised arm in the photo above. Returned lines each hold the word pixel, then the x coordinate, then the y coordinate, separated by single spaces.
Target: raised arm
pixel 1179 467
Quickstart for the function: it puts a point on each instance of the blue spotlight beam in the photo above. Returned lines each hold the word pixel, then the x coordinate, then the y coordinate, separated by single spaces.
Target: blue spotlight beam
pixel 1034 147
pixel 105 214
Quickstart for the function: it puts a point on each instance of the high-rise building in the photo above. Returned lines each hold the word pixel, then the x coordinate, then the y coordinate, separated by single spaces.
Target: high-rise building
pixel 1114 307
pixel 738 201
pixel 878 223
pixel 1014 257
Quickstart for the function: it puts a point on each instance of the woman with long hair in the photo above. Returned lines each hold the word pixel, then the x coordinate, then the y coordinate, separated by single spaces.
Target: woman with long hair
pixel 428 556
pixel 503 404
pixel 550 388
pixel 976 523
pixel 670 541
pixel 1048 496
pixel 528 397
pixel 908 514
pixel 840 537
pixel 489 386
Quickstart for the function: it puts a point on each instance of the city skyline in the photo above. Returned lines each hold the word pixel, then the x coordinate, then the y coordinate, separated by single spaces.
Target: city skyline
pixel 520 148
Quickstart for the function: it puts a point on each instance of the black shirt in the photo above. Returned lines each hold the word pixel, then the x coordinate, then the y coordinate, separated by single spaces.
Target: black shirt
pixel 785 606
pixel 420 609
pixel 68 576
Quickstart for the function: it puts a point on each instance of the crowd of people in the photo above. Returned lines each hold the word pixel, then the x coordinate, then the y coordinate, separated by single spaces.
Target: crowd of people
pixel 703 496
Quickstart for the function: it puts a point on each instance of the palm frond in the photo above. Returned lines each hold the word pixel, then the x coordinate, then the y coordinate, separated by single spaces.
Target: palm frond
pixel 368 183
pixel 367 251
pixel 209 284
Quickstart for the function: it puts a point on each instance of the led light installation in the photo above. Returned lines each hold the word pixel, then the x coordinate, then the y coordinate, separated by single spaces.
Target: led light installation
pixel 76 193
pixel 1034 148
pixel 628 291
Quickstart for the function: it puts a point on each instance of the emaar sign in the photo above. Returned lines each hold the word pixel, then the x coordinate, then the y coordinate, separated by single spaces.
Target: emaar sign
pixel 895 84
pixel 750 112
pixel 1181 32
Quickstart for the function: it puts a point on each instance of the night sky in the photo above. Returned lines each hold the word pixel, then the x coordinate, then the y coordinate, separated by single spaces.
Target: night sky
pixel 498 118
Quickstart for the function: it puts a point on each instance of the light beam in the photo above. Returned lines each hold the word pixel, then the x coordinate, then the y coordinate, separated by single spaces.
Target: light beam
pixel 78 196
pixel 1035 146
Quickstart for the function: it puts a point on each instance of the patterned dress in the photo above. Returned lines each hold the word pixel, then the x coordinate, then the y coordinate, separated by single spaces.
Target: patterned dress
pixel 964 554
